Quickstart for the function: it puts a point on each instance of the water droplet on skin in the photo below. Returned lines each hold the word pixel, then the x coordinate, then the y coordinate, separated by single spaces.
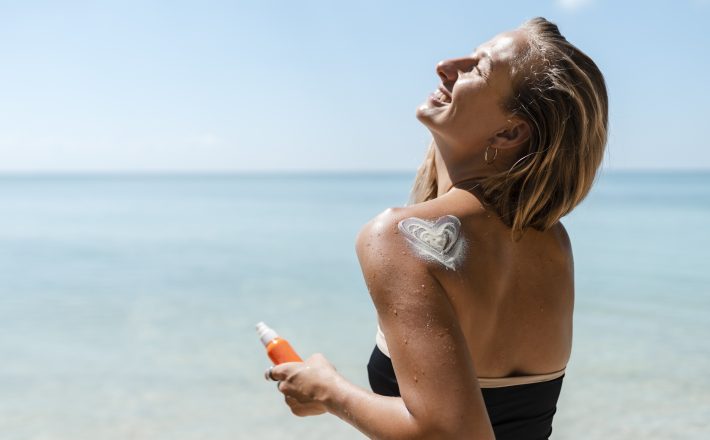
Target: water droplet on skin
pixel 415 379
pixel 406 342
pixel 423 286
pixel 395 311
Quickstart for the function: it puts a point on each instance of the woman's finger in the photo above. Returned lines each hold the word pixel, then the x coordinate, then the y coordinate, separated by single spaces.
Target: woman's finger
pixel 268 375
pixel 282 371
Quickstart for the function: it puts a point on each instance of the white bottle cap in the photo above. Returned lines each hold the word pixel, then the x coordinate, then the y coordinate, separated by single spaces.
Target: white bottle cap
pixel 266 333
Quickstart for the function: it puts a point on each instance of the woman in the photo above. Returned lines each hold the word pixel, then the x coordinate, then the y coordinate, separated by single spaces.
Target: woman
pixel 473 280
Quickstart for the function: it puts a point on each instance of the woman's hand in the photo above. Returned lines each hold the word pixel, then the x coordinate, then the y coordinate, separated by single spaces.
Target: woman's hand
pixel 305 385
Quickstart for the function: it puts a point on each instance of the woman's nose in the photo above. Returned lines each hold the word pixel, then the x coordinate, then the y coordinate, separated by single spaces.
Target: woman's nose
pixel 448 70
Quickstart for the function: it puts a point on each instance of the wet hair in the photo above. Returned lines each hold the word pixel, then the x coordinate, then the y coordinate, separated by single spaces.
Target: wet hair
pixel 562 95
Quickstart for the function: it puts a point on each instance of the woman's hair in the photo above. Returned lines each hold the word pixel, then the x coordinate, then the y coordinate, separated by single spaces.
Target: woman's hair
pixel 561 93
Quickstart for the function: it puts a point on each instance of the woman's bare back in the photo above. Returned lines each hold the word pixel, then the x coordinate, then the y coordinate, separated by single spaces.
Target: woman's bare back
pixel 514 300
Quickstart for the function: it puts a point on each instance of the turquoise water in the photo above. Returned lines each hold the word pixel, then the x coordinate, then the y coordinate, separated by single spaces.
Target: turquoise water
pixel 128 304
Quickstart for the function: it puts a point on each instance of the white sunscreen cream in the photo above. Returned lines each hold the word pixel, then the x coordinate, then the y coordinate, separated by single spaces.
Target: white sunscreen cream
pixel 439 240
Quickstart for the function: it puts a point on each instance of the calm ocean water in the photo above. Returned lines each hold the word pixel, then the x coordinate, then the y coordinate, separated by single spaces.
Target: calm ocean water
pixel 128 304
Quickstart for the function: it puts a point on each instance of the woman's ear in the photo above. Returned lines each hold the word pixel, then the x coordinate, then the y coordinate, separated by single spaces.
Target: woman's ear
pixel 516 133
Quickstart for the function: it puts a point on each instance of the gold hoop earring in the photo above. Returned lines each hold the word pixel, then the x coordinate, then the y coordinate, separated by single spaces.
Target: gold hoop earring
pixel 485 155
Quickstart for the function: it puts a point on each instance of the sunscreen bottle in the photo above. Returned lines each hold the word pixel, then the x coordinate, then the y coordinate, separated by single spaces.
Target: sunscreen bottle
pixel 278 349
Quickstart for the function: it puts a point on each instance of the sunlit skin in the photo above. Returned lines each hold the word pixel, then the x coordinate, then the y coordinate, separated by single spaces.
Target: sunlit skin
pixel 506 311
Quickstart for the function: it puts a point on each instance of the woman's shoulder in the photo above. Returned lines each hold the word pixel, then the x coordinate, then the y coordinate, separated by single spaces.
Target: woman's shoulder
pixel 434 232
pixel 439 232
pixel 465 207
pixel 377 236
pixel 430 210
pixel 384 226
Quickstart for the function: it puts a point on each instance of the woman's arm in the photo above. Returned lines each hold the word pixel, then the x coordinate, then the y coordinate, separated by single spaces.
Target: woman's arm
pixel 313 387
pixel 441 397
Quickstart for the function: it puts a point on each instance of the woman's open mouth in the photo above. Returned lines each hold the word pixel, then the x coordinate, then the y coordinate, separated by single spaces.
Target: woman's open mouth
pixel 440 98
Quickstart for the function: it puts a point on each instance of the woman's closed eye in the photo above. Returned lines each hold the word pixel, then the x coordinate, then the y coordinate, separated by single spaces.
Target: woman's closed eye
pixel 481 72
pixel 474 70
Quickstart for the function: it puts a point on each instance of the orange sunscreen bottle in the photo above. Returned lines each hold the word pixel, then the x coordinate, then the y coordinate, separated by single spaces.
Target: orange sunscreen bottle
pixel 278 349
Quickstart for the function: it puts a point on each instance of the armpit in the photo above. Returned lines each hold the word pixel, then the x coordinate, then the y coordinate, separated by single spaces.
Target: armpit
pixel 439 240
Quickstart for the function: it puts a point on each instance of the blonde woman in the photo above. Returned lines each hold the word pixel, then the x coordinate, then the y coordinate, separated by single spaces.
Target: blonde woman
pixel 473 280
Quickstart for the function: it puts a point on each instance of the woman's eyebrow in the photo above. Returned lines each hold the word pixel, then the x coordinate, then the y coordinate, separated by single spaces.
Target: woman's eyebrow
pixel 484 54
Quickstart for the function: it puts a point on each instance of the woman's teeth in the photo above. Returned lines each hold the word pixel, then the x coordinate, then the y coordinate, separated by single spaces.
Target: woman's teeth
pixel 441 96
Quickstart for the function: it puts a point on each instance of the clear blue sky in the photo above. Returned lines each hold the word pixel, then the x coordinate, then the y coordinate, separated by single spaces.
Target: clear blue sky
pixel 314 85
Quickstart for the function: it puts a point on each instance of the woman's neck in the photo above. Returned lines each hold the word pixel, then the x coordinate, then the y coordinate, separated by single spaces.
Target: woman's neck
pixel 444 181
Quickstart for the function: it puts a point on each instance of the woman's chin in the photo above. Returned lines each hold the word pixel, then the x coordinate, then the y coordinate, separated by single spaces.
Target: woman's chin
pixel 429 111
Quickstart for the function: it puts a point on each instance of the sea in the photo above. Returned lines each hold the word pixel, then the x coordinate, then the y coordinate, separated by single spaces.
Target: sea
pixel 128 303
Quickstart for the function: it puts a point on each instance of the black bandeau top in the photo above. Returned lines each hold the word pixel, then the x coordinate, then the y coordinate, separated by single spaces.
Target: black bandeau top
pixel 518 412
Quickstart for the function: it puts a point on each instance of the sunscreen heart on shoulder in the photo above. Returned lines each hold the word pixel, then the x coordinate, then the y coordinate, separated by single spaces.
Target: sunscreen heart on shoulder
pixel 439 240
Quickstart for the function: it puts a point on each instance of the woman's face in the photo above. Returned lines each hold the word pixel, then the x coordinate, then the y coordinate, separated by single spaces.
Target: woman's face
pixel 465 114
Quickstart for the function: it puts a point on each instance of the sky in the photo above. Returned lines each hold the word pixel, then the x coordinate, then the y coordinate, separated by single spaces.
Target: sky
pixel 203 86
